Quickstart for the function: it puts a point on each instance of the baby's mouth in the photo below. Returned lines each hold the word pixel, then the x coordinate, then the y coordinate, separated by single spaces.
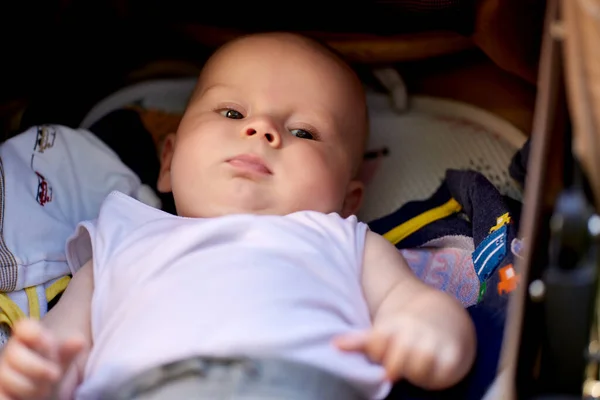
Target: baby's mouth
pixel 250 163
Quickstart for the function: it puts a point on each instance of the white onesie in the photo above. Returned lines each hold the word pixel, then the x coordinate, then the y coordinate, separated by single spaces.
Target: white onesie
pixel 168 287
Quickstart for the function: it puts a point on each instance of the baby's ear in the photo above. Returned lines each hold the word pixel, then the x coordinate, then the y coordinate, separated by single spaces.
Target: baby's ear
pixel 354 198
pixel 166 156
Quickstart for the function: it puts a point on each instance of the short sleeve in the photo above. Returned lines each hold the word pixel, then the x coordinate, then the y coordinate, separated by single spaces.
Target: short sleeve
pixel 79 248
pixel 359 245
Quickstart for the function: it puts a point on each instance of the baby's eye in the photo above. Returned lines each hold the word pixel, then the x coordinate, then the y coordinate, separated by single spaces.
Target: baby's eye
pixel 302 134
pixel 229 113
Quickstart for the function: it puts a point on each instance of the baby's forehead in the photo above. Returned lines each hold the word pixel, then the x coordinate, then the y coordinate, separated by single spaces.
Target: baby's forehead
pixel 267 49
pixel 301 74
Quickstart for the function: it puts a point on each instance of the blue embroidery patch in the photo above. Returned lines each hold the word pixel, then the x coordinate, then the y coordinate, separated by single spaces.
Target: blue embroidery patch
pixel 489 253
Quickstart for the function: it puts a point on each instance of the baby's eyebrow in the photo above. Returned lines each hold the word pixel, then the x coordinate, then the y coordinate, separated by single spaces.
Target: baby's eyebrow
pixel 210 88
pixel 327 123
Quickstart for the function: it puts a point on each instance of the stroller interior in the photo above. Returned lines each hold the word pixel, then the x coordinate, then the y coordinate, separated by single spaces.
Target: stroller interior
pixel 506 89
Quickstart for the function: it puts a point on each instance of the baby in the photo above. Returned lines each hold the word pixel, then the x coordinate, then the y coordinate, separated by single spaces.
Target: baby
pixel 264 285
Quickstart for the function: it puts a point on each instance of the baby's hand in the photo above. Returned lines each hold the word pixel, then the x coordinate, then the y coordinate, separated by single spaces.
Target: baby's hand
pixel 33 362
pixel 412 348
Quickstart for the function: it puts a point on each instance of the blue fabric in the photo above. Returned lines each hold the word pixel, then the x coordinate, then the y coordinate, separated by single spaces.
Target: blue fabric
pixel 482 205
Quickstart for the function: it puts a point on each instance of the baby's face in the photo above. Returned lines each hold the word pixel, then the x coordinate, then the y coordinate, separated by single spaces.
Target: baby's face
pixel 275 126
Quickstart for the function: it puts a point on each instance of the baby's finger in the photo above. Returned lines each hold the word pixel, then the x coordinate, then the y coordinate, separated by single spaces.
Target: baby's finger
pixel 396 357
pixel 377 345
pixel 33 335
pixel 16 386
pixel 449 363
pixel 69 349
pixel 422 359
pixel 373 343
pixel 352 342
pixel 29 363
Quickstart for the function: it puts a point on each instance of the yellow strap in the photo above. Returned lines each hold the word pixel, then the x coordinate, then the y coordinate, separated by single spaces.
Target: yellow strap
pixel 57 287
pixel 34 302
pixel 409 227
pixel 11 312
pixel 4 319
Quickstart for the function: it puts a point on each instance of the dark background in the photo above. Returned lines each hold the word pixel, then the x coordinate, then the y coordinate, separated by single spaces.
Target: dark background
pixel 61 56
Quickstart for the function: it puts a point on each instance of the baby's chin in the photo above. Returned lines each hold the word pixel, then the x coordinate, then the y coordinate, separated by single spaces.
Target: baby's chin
pixel 220 209
pixel 245 198
pixel 231 207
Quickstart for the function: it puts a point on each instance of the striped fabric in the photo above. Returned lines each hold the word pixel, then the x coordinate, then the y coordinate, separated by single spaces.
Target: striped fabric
pixel 8 264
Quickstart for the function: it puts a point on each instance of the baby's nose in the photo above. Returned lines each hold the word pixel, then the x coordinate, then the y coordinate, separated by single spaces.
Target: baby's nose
pixel 264 129
pixel 269 136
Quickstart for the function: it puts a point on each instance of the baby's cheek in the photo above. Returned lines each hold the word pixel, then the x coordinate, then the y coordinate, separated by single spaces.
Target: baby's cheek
pixel 317 175
pixel 329 190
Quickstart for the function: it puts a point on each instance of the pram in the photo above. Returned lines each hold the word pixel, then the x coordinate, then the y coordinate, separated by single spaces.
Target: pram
pixel 548 348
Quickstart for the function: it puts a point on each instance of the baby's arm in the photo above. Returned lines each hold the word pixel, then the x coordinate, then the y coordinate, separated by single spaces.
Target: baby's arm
pixel 419 333
pixel 46 360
